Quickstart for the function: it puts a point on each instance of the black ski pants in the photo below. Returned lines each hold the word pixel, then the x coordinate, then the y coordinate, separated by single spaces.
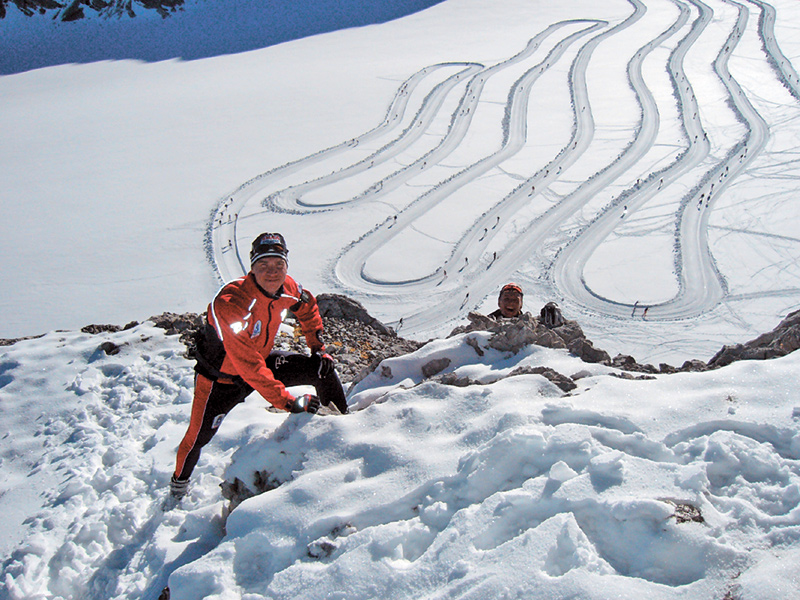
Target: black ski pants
pixel 215 399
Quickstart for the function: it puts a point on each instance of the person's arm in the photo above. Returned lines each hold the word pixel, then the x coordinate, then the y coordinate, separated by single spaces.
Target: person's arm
pixel 232 326
pixel 307 312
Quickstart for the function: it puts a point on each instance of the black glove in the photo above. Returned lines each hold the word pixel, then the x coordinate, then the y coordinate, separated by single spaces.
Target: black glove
pixel 306 403
pixel 325 364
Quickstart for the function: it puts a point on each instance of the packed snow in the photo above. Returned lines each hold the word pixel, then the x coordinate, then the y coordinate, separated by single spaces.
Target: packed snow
pixel 633 160
pixel 614 157
pixel 685 486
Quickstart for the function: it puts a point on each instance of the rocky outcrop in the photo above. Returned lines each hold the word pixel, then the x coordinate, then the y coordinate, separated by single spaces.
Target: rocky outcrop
pixel 435 367
pixel 359 342
pixel 782 340
pixel 511 335
pixel 9 341
pixel 342 308
pixel 30 7
pixel 184 325
pixel 566 384
pixel 359 348
pixel 73 10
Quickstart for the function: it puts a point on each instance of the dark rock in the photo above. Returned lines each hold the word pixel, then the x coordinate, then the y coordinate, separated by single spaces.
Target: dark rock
pixel 685 512
pixel 622 361
pixel 72 10
pixel 455 380
pixel 514 336
pixel 477 322
pixel 29 7
pixel 320 549
pixel 435 366
pixel 95 329
pixel 562 381
pixel 10 341
pixel 694 365
pixel 237 491
pixel 585 350
pixel 346 309
pixel 782 340
pixel 175 324
pixel 473 343
pixel 726 355
pixel 631 376
pixel 110 348
pixel 628 363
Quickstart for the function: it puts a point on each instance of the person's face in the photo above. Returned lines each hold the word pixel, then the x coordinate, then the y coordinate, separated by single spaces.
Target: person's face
pixel 270 273
pixel 510 303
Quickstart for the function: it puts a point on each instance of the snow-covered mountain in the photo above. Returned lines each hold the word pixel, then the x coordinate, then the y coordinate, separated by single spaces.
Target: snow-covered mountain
pixel 73 10
pixel 41 33
pixel 630 161
pixel 678 486
pixel 633 160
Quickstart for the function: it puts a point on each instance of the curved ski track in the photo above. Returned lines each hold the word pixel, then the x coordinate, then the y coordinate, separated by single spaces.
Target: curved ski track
pixel 417 160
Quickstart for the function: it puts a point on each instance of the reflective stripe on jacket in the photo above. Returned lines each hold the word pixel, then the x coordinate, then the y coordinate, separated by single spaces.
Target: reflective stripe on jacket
pixel 245 319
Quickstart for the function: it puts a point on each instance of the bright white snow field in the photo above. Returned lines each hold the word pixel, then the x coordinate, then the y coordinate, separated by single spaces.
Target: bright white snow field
pixel 504 490
pixel 610 156
pixel 613 156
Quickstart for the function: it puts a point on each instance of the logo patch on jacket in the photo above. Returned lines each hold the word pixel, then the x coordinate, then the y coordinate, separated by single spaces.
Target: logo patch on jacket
pixel 256 330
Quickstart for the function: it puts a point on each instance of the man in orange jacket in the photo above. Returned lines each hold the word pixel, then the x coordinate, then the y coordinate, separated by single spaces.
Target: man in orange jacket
pixel 235 352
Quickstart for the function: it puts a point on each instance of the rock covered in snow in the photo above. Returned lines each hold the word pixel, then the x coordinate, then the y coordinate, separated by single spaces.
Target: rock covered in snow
pixel 72 10
pixel 359 342
pixel 782 340
pixel 513 334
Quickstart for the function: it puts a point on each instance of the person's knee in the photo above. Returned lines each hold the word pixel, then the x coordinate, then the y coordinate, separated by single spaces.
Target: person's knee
pixel 293 369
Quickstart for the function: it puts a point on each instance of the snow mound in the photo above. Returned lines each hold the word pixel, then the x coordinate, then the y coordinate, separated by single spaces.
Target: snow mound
pixel 681 486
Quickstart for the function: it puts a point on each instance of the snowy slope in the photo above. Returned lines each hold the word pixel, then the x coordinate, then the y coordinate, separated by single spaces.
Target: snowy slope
pixel 497 490
pixel 615 157
pixel 186 29
pixel 610 156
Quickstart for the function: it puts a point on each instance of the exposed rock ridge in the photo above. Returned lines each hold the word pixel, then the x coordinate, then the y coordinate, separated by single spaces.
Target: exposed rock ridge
pixel 513 334
pixel 73 10
pixel 359 342
pixel 782 340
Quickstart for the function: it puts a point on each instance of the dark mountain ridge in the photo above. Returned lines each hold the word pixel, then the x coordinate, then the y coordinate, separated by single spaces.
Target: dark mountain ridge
pixel 72 10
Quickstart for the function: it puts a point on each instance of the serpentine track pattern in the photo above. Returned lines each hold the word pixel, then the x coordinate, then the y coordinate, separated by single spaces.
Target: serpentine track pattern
pixel 549 208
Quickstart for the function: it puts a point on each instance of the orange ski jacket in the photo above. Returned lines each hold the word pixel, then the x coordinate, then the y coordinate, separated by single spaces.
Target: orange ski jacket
pixel 243 320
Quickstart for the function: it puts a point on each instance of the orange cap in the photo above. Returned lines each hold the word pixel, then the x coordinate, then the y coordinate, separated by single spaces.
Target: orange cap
pixel 512 286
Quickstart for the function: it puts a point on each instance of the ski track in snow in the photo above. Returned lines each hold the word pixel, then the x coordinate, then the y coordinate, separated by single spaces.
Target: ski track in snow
pixel 413 163
pixel 515 475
